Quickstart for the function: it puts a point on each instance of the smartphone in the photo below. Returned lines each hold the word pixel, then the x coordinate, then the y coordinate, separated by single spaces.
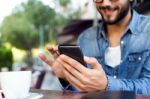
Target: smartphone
pixel 72 51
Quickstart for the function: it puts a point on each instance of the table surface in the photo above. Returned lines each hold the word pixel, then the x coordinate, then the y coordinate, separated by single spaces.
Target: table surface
pixel 51 94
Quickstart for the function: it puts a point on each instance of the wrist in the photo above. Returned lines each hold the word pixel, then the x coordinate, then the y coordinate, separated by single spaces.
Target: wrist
pixel 106 83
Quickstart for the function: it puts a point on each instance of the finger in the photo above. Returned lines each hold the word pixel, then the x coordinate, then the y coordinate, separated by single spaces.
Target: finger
pixel 77 84
pixel 56 48
pixel 55 55
pixel 43 57
pixel 90 60
pixel 56 51
pixel 72 70
pixel 75 64
pixel 53 51
pixel 73 81
pixel 55 67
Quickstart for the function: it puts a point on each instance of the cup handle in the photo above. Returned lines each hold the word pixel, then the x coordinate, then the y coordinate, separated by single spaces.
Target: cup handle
pixel 2 94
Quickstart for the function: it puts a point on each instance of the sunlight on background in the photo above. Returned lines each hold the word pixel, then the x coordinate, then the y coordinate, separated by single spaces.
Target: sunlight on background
pixel 7 6
pixel 35 25
pixel 26 30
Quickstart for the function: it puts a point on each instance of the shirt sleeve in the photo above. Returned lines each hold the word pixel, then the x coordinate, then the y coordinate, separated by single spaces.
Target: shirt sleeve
pixel 140 85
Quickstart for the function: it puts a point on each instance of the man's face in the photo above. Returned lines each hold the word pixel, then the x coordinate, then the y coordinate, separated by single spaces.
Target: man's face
pixel 113 12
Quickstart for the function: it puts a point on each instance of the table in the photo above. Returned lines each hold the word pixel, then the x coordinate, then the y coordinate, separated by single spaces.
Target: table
pixel 51 94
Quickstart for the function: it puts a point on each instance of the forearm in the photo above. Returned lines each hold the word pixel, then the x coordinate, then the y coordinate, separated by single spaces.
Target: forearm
pixel 140 86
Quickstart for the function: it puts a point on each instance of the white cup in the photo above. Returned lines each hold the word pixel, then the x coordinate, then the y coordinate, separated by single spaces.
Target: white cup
pixel 15 84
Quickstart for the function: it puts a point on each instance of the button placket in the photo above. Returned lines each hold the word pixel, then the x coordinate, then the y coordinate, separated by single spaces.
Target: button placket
pixel 115 76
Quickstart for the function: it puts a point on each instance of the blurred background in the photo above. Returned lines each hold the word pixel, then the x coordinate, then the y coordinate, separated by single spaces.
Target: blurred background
pixel 27 26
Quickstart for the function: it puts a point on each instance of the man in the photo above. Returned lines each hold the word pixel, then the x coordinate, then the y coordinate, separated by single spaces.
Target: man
pixel 118 52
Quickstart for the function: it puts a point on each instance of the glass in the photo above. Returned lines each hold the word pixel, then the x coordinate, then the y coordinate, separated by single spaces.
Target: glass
pixel 100 1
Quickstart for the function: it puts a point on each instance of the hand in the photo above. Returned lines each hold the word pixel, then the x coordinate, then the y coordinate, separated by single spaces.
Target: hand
pixel 54 64
pixel 82 78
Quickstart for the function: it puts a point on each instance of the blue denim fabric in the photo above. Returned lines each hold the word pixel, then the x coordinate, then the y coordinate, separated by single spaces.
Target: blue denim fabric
pixel 133 74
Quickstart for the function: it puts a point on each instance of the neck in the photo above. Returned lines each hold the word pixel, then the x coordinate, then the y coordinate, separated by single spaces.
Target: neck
pixel 116 31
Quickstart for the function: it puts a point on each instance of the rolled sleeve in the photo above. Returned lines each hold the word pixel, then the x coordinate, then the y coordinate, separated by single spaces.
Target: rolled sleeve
pixel 113 84
pixel 139 86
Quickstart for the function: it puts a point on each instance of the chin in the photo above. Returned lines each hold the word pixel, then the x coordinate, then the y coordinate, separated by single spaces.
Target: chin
pixel 110 22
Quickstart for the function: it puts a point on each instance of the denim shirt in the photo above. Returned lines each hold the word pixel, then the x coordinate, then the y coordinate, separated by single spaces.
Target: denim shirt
pixel 133 73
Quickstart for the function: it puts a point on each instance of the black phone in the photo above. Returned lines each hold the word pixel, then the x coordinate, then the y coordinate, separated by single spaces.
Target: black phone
pixel 72 51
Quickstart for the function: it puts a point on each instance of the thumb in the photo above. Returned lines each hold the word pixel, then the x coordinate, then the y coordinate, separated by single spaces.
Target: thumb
pixel 93 62
pixel 45 59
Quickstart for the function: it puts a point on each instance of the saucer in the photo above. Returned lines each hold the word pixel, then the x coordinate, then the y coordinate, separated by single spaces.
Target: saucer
pixel 31 95
pixel 34 96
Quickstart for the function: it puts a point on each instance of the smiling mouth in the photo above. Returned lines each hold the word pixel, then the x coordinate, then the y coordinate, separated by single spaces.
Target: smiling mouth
pixel 108 8
pixel 108 11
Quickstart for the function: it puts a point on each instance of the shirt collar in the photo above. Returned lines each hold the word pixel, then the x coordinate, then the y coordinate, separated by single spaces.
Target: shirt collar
pixel 134 22
pixel 102 31
pixel 131 27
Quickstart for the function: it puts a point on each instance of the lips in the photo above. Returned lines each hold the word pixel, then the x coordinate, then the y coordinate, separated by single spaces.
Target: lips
pixel 107 12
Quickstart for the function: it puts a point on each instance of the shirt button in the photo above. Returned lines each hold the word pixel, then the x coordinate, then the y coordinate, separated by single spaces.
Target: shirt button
pixel 140 58
pixel 115 76
pixel 122 42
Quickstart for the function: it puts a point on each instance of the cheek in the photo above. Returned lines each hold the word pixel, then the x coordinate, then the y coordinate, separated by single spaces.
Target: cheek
pixel 100 11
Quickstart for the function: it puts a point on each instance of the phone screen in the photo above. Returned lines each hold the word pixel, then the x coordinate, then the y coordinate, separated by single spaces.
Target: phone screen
pixel 72 51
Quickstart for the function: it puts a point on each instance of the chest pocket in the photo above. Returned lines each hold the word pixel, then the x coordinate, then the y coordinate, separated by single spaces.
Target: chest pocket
pixel 138 57
pixel 135 61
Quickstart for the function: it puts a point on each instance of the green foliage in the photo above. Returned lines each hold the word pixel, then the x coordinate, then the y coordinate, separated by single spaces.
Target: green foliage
pixel 38 13
pixel 18 31
pixel 64 3
pixel 21 28
pixel 6 58
pixel 75 14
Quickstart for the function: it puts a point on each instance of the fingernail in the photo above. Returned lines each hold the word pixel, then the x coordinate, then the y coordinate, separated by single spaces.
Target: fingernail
pixel 87 58
pixel 48 46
